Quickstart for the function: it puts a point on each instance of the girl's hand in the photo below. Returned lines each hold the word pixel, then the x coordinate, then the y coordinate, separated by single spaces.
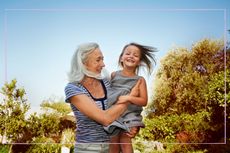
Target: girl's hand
pixel 136 89
pixel 133 132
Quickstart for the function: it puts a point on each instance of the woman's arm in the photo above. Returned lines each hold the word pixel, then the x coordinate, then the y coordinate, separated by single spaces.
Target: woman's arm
pixel 90 109
pixel 139 99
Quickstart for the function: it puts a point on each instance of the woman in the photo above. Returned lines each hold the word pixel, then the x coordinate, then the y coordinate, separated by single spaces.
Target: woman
pixel 87 94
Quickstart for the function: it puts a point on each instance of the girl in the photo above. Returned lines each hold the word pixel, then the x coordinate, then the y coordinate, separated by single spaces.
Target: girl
pixel 132 57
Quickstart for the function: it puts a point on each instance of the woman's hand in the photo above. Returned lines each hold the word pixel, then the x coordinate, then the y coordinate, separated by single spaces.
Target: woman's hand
pixel 123 99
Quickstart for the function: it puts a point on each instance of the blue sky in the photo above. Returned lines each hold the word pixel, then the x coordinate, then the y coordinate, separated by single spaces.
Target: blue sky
pixel 38 37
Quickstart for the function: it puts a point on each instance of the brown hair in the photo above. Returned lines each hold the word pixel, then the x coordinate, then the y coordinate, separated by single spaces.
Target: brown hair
pixel 147 56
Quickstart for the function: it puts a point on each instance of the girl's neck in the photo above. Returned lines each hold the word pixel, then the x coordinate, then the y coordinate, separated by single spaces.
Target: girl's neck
pixel 127 72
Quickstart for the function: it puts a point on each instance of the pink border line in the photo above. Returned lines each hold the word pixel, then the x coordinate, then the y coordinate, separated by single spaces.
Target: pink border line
pixel 118 10
pixel 88 9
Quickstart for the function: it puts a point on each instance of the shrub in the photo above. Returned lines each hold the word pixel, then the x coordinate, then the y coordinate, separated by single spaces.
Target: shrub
pixel 44 145
pixel 184 128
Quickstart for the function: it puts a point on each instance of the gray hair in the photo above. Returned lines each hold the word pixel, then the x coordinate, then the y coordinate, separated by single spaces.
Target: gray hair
pixel 78 70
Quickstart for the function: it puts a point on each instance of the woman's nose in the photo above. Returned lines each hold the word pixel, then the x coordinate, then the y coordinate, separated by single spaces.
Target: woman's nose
pixel 102 64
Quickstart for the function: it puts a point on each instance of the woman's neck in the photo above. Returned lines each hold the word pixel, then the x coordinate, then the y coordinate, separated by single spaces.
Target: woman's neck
pixel 88 80
pixel 94 86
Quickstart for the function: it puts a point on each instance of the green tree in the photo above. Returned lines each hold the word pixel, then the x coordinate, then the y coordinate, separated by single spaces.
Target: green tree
pixel 37 127
pixel 218 100
pixel 68 138
pixel 61 110
pixel 44 145
pixel 57 106
pixel 191 86
pixel 182 76
pixel 52 121
pixel 13 109
pixel 218 92
pixel 46 125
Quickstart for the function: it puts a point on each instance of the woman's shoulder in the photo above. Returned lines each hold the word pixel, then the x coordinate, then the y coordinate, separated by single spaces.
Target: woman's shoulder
pixel 106 82
pixel 73 87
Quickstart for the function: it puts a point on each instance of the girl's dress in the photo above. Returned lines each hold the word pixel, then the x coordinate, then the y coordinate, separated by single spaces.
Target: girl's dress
pixel 122 85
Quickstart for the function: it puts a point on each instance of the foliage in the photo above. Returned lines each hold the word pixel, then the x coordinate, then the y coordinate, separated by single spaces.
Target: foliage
pixel 166 128
pixel 52 122
pixel 218 91
pixel 4 148
pixel 59 107
pixel 183 148
pixel 37 128
pixel 182 76
pixel 218 100
pixel 147 147
pixel 12 112
pixel 68 138
pixel 46 125
pixel 191 94
pixel 184 128
pixel 44 145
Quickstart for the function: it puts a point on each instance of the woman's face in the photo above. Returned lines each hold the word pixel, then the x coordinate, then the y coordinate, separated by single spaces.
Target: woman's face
pixel 95 61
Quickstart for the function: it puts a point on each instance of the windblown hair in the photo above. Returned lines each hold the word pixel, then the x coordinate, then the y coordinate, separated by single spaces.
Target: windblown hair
pixel 77 69
pixel 147 56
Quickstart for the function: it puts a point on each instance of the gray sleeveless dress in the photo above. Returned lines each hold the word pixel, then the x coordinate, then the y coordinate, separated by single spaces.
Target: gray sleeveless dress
pixel 122 85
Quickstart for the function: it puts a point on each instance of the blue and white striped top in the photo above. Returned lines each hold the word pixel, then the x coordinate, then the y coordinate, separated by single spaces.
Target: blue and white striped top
pixel 88 131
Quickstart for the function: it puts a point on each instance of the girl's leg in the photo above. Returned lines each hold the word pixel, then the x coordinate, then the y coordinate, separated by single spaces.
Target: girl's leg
pixel 114 146
pixel 126 143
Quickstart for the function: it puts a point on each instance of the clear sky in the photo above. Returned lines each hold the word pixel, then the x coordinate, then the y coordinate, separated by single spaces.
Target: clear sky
pixel 39 37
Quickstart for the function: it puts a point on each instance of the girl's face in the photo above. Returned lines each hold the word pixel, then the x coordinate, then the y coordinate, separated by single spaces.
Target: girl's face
pixel 95 61
pixel 131 57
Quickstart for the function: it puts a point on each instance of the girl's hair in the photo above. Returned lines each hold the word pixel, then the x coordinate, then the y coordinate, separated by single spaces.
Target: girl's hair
pixel 147 56
pixel 77 69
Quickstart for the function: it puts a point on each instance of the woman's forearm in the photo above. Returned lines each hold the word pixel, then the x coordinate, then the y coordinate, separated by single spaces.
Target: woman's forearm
pixel 113 113
pixel 90 109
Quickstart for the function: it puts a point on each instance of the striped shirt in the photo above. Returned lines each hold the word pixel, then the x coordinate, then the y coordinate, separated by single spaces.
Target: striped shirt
pixel 88 131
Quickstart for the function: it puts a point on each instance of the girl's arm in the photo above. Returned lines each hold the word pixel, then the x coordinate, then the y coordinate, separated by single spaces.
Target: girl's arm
pixel 88 107
pixel 139 99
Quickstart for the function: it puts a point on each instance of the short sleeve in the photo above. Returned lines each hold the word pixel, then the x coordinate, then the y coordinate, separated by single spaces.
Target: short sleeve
pixel 106 83
pixel 72 90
